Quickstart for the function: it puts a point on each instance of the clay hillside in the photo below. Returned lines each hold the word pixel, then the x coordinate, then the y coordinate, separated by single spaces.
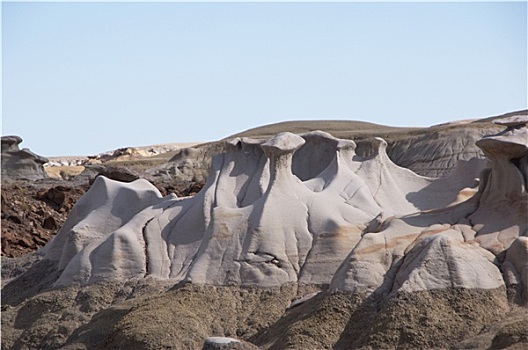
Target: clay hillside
pixel 297 235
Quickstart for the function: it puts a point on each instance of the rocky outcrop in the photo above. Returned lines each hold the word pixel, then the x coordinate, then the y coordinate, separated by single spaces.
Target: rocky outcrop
pixel 20 163
pixel 129 153
pixel 433 152
pixel 466 244
pixel 264 217
pixel 190 163
pixel 295 242
pixel 32 215
pixel 438 151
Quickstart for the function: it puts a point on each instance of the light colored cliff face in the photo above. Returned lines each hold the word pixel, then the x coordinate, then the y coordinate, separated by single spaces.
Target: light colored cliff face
pixel 310 210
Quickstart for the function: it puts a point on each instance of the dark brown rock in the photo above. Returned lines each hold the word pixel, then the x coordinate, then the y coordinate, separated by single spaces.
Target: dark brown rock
pixel 15 218
pixel 56 195
pixel 6 246
pixel 27 241
pixel 49 223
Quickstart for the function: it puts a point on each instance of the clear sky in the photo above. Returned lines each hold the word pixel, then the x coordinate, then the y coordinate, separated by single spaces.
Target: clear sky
pixel 83 78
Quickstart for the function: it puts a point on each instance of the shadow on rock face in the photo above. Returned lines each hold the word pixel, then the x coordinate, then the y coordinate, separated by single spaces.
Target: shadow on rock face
pixel 40 276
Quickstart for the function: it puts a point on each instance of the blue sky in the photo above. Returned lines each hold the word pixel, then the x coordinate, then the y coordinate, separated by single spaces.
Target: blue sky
pixel 83 78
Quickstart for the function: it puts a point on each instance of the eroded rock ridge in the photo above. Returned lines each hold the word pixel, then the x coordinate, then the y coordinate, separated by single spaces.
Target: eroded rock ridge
pixel 307 209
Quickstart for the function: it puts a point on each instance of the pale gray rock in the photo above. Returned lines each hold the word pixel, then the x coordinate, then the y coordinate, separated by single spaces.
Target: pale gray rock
pixel 468 235
pixel 432 152
pixel 189 163
pixel 441 262
pixel 264 217
pixel 502 215
pixel 106 208
pixel 255 221
pixel 437 152
pixel 516 265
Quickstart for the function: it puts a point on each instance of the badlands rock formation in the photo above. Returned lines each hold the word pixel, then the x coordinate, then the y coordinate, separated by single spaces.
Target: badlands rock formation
pixel 433 151
pixel 20 163
pixel 260 219
pixel 402 260
pixel 265 218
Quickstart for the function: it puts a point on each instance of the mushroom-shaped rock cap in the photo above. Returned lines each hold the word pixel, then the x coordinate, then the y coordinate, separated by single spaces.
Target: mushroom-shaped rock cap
pixel 251 141
pixel 283 143
pixel 234 141
pixel 346 144
pixel 513 121
pixel 379 145
pixel 320 134
pixel 11 139
pixel 512 142
pixel 25 153
pixel 323 135
pixel 243 143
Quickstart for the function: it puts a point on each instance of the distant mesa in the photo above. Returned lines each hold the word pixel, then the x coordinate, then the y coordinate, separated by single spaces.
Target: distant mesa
pixel 20 163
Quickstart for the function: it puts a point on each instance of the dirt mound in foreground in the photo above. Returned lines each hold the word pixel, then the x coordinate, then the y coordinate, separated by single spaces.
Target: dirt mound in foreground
pixel 139 315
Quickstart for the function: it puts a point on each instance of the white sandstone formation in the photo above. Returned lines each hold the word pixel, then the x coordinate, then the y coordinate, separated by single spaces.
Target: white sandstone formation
pixel 326 215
